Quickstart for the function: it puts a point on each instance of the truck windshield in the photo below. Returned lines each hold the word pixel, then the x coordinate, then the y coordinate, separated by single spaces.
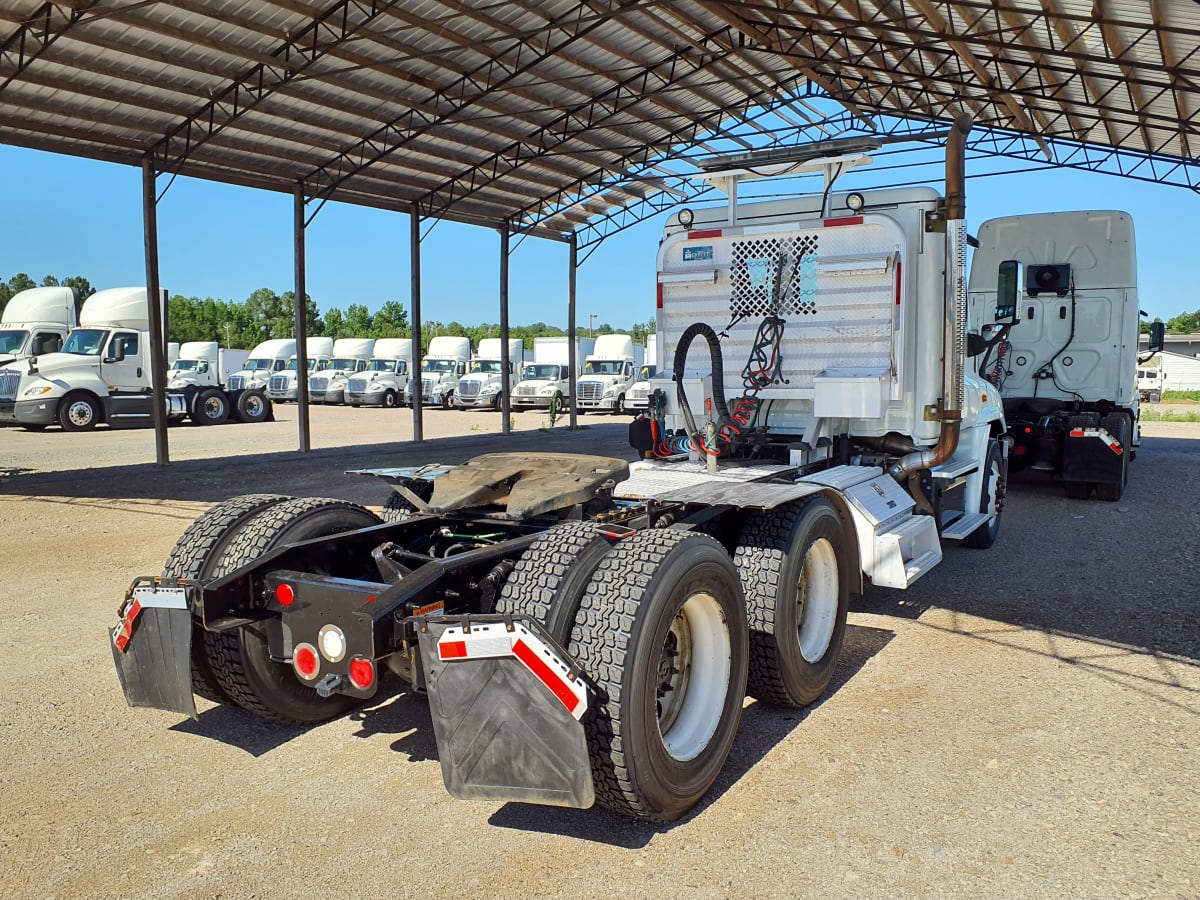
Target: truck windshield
pixel 541 372
pixel 604 367
pixel 12 341
pixel 311 364
pixel 438 365
pixel 344 363
pixel 184 365
pixel 85 341
pixel 645 373
pixel 486 366
pixel 258 365
pixel 385 365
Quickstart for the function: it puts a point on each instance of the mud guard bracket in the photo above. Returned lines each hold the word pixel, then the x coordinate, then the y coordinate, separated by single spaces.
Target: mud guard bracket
pixel 503 731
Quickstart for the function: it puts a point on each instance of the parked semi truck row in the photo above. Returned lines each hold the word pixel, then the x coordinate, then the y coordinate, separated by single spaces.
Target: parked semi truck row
pixel 103 374
pixel 586 629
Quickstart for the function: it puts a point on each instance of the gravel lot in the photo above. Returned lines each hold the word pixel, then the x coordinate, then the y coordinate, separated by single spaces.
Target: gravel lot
pixel 1023 722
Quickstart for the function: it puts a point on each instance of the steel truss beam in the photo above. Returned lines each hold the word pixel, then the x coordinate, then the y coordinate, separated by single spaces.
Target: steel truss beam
pixel 35 35
pixel 298 53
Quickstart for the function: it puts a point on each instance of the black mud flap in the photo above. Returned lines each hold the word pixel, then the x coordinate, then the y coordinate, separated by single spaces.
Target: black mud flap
pixel 507 705
pixel 152 648
pixel 1092 454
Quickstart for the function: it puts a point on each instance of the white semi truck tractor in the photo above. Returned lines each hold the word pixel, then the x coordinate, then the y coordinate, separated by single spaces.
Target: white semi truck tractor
pixel 1054 328
pixel 383 381
pixel 546 382
pixel 35 322
pixel 350 356
pixel 284 385
pixel 608 373
pixel 444 364
pixel 265 360
pixel 585 628
pixel 103 374
pixel 638 398
pixel 486 381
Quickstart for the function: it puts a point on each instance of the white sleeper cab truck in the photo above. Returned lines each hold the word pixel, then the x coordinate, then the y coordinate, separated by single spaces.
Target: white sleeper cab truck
pixel 350 356
pixel 103 374
pixel 546 382
pixel 204 364
pixel 1054 328
pixel 283 385
pixel 486 381
pixel 36 322
pixel 586 628
pixel 383 381
pixel 608 374
pixel 638 398
pixel 265 360
pixel 444 364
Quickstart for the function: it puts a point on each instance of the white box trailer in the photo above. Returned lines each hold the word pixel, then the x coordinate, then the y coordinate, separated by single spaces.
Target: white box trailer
pixel 384 380
pixel 545 382
pixel 486 381
pixel 104 374
pixel 616 614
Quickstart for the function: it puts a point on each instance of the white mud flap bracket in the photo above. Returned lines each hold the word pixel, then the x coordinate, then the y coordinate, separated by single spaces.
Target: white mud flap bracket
pixel 507 705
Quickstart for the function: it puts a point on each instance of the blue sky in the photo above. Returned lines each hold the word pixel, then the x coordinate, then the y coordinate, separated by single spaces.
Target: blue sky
pixel 67 216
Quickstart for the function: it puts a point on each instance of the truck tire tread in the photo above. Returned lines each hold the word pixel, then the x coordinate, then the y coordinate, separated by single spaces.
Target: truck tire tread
pixel 225 652
pixel 191 556
pixel 600 640
pixel 548 581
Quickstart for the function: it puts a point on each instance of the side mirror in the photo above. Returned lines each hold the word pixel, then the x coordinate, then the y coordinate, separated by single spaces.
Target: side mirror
pixel 116 352
pixel 1157 333
pixel 1008 281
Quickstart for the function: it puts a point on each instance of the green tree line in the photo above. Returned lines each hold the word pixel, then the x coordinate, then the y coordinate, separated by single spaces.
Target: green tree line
pixel 266 314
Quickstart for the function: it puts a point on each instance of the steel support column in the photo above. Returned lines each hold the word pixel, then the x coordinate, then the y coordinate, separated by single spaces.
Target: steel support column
pixel 301 322
pixel 572 343
pixel 415 293
pixel 154 300
pixel 505 358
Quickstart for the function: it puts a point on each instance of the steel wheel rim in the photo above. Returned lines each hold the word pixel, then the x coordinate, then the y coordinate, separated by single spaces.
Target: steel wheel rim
pixel 80 413
pixel 818 591
pixel 692 677
pixel 213 407
pixel 253 406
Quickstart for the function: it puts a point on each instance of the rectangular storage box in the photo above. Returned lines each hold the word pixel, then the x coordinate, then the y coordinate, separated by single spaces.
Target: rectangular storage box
pixel 850 393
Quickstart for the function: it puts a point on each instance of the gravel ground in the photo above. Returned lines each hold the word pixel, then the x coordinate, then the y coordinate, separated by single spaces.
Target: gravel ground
pixel 1022 722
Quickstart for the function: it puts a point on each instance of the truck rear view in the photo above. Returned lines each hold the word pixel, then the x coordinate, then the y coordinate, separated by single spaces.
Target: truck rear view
pixel 1054 322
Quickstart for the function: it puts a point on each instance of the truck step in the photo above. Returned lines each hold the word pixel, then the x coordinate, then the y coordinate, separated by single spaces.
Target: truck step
pixel 963 526
pixel 954 468
pixel 904 552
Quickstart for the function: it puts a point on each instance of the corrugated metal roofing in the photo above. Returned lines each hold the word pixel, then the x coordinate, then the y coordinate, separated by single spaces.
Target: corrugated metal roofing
pixel 550 115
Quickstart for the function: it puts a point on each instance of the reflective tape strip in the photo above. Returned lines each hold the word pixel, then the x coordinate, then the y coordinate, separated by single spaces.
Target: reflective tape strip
pixel 494 641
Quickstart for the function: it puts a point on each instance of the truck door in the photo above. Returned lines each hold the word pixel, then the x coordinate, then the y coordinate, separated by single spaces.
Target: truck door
pixel 128 380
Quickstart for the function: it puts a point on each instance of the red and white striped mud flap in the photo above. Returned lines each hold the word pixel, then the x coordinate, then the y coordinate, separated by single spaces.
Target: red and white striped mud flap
pixel 152 647
pixel 507 705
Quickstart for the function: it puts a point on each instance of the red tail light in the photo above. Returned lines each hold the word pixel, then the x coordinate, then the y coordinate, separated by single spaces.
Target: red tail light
pixel 285 595
pixel 362 673
pixel 305 661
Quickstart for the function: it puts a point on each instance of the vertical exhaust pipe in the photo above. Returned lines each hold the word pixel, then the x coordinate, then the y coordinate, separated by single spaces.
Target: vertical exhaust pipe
pixel 954 338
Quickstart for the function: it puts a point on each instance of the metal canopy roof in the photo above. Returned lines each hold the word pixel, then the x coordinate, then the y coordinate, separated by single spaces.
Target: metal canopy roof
pixel 557 117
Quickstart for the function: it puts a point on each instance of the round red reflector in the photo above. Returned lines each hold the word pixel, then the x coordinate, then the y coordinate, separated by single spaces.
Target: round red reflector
pixel 362 673
pixel 304 658
pixel 285 595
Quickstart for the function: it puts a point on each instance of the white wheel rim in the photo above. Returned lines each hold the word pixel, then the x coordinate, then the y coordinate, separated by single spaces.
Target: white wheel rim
pixel 254 406
pixel 80 412
pixel 213 407
pixel 693 677
pixel 993 484
pixel 817 594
